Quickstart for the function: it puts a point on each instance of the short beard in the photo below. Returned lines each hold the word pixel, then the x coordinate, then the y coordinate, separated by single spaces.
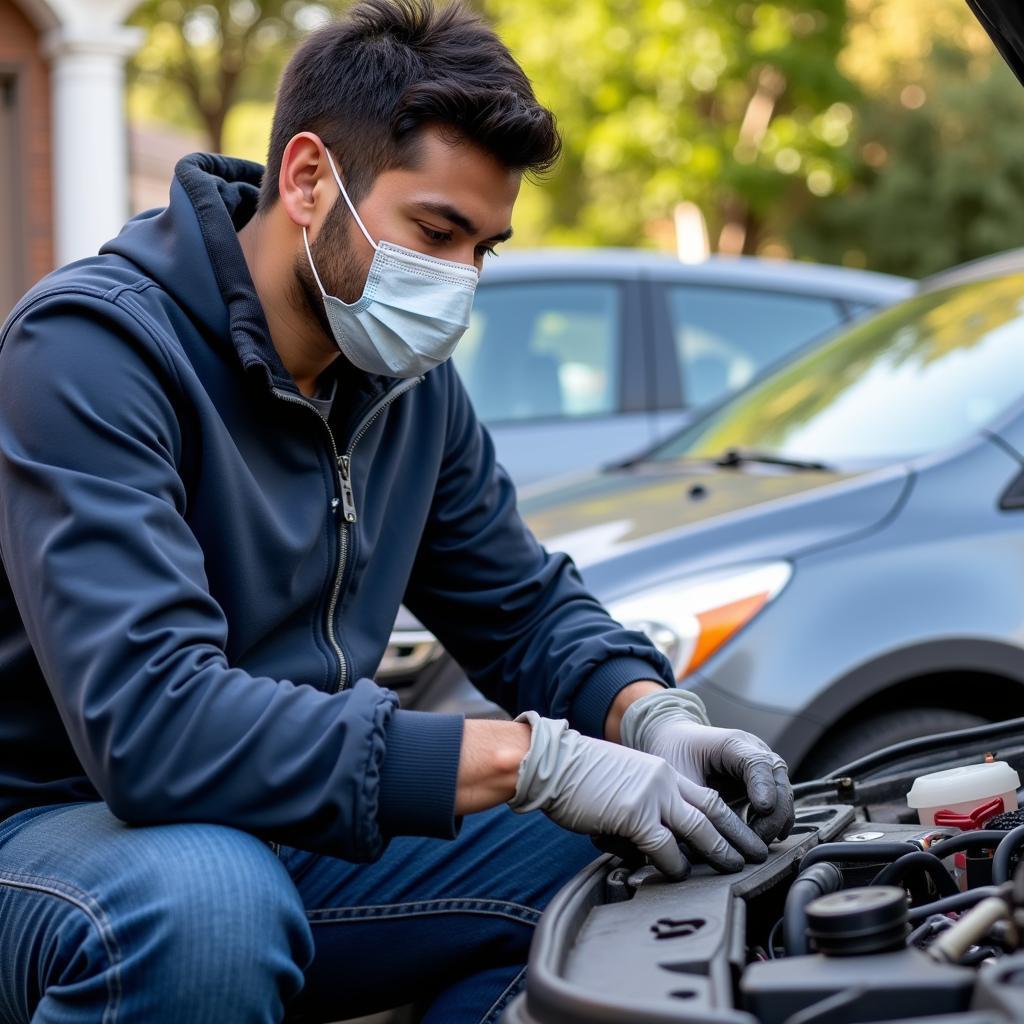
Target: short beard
pixel 341 269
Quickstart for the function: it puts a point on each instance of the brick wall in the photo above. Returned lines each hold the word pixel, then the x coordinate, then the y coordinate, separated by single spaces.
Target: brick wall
pixel 19 52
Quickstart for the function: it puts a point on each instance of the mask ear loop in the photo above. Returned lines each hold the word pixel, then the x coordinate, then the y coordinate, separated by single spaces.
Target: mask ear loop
pixel 348 202
pixel 359 221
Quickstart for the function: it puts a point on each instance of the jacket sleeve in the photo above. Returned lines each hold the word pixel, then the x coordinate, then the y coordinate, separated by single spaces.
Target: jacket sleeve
pixel 110 583
pixel 516 617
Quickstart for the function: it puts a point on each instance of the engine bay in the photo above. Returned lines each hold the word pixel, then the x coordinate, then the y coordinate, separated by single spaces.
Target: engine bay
pixel 863 914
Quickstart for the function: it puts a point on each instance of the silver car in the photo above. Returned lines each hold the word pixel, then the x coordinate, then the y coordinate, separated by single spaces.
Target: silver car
pixel 577 358
pixel 831 558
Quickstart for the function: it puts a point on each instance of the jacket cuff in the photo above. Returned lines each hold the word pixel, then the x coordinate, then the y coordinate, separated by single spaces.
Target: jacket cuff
pixel 418 776
pixel 592 703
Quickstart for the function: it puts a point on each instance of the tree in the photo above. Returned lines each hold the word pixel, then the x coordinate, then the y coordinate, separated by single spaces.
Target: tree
pixel 739 108
pixel 213 53
pixel 872 132
pixel 937 152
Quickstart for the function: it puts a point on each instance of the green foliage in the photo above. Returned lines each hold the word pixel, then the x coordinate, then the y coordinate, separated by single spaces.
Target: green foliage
pixel 201 57
pixel 935 185
pixel 734 107
pixel 879 133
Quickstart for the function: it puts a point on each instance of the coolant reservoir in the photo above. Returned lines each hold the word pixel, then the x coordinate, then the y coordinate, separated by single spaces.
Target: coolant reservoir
pixel 964 797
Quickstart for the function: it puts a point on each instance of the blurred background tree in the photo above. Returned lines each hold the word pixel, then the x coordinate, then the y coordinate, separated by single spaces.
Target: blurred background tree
pixel 204 59
pixel 731 106
pixel 938 152
pixel 880 133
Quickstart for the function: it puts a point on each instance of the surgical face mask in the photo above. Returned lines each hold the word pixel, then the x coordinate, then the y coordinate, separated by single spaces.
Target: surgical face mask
pixel 413 310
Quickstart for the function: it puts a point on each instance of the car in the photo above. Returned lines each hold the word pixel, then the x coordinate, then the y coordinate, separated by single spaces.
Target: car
pixel 574 358
pixel 862 914
pixel 831 558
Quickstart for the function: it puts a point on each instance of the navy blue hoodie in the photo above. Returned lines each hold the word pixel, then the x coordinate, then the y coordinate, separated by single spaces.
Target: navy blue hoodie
pixel 201 572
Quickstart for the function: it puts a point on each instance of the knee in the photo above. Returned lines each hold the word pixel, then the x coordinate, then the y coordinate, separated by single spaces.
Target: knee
pixel 215 913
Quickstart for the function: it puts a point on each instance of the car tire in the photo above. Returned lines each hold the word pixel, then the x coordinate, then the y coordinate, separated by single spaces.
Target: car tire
pixel 882 730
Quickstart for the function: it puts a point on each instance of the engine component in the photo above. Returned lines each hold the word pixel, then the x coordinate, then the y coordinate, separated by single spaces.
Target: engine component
pixel 953 943
pixel 1005 852
pixel 964 797
pixel 885 986
pixel 950 904
pixel 918 860
pixel 617 948
pixel 816 881
pixel 1006 822
pixel 859 922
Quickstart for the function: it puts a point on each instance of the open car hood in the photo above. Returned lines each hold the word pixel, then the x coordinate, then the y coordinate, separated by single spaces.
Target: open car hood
pixel 1003 20
pixel 623 945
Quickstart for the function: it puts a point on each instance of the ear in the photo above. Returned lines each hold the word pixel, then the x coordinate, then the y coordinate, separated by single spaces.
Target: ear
pixel 306 186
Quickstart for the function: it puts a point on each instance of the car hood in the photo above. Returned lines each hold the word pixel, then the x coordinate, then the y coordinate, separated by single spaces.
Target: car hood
pixel 1003 20
pixel 630 527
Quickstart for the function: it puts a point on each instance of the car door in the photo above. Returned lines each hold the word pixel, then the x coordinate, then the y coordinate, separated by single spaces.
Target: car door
pixel 712 340
pixel 556 370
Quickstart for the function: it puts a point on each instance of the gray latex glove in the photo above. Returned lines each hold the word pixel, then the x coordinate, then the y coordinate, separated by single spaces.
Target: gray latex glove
pixel 673 724
pixel 600 788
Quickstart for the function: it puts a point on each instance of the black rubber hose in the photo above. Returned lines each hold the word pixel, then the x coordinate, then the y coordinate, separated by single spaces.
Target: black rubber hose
pixel 975 956
pixel 961 901
pixel 932 923
pixel 883 759
pixel 815 881
pixel 894 873
pixel 1004 854
pixel 980 839
pixel 855 853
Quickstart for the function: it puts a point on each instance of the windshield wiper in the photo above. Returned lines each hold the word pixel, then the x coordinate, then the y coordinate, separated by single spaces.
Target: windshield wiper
pixel 740 456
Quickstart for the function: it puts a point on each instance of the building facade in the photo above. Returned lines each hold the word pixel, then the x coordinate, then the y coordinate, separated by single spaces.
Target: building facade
pixel 63 133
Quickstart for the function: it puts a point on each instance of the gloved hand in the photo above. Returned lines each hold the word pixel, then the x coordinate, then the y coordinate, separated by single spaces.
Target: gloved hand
pixel 673 724
pixel 600 788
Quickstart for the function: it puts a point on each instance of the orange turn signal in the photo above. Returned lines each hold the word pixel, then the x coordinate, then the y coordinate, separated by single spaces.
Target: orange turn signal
pixel 718 624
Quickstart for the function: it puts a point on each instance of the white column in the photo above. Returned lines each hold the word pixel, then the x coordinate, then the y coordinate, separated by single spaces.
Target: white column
pixel 90 137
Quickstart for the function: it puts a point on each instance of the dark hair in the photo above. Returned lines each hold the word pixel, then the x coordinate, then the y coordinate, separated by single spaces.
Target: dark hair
pixel 368 83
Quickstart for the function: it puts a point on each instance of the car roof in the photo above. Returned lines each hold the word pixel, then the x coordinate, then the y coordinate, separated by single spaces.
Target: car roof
pixel 729 271
pixel 1010 262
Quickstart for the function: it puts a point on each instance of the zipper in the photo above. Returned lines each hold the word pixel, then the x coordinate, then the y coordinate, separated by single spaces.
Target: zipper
pixel 382 403
pixel 347 501
pixel 342 536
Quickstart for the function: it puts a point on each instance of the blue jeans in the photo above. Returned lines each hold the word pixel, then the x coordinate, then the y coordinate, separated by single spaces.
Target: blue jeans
pixel 105 923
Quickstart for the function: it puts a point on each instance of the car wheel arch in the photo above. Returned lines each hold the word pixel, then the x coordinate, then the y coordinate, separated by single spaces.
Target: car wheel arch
pixel 931 674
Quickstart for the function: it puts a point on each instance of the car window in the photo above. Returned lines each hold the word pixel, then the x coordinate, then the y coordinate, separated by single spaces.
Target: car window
pixel 724 336
pixel 912 379
pixel 542 349
pixel 858 308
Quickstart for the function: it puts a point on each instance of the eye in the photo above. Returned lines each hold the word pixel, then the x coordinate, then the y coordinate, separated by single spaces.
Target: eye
pixel 485 250
pixel 434 235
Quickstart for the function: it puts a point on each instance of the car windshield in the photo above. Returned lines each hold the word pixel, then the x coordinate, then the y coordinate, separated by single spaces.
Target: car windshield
pixel 911 380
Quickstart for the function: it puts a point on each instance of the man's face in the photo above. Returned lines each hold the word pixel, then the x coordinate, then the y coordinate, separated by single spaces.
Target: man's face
pixel 455 203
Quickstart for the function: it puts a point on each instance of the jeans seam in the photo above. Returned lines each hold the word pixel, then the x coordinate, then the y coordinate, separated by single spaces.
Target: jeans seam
pixel 499 1004
pixel 89 906
pixel 422 908
pixel 9 828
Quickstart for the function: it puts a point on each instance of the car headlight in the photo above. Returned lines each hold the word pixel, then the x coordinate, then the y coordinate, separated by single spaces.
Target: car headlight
pixel 687 620
pixel 690 619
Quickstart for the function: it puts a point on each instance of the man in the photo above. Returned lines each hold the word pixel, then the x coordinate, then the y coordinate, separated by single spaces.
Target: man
pixel 230 446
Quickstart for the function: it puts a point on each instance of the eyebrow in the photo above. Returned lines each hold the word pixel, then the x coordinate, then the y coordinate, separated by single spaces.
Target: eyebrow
pixel 460 220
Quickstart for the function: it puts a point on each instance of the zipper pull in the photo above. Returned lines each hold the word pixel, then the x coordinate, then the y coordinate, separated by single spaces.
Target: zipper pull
pixel 348 500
